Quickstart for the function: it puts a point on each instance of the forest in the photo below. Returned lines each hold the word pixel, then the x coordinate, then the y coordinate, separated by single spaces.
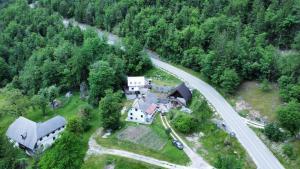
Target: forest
pixel 40 59
pixel 227 41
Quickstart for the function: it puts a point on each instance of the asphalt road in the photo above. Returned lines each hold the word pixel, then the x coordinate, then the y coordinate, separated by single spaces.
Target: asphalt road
pixel 261 155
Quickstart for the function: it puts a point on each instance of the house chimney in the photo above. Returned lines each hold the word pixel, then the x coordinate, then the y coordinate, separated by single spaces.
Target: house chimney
pixel 24 135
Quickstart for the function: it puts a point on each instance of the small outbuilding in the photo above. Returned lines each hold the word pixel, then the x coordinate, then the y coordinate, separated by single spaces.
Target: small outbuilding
pixel 31 136
pixel 181 94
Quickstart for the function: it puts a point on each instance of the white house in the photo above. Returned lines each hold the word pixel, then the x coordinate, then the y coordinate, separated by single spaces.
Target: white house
pixel 31 136
pixel 143 110
pixel 135 83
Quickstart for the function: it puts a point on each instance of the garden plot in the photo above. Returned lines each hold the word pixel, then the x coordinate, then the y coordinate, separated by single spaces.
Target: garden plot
pixel 142 135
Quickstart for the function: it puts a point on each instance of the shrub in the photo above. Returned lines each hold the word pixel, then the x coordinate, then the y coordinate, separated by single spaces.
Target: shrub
pixel 75 125
pixel 228 162
pixel 168 131
pixel 85 111
pixel 265 86
pixel 288 150
pixel 273 132
pixel 185 123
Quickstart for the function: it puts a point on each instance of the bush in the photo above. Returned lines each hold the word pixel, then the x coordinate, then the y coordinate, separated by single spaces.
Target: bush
pixel 75 125
pixel 265 86
pixel 288 150
pixel 185 123
pixel 228 162
pixel 85 111
pixel 273 132
pixel 168 131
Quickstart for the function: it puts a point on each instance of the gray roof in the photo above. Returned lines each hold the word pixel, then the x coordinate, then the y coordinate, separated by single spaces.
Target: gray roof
pixel 27 132
pixel 182 91
pixel 149 99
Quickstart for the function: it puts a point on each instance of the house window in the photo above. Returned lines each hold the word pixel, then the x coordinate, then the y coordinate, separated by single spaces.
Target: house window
pixel 53 132
pixel 135 109
pixel 142 116
pixel 41 139
pixel 53 138
pixel 132 88
pixel 130 118
pixel 135 118
pixel 47 135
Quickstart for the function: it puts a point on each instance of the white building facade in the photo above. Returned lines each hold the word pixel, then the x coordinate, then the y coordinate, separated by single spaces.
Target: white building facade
pixel 32 136
pixel 136 83
pixel 143 110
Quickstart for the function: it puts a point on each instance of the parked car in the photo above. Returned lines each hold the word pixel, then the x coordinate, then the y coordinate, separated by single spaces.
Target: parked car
pixel 178 144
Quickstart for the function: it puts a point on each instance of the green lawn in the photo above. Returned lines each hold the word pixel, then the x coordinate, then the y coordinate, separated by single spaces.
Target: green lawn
pixel 160 77
pixel 167 153
pixel 99 162
pixel 265 102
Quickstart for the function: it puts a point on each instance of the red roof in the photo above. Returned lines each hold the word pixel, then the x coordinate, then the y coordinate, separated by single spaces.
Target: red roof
pixel 151 109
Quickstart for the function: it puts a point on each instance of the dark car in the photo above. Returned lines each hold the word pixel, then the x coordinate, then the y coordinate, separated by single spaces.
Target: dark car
pixel 177 144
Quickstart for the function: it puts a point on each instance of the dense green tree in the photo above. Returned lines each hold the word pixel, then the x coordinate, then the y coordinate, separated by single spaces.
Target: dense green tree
pixel 229 80
pixel 41 101
pixel 75 125
pixel 136 61
pixel 15 103
pixel 101 78
pixel 110 110
pixel 192 58
pixel 51 93
pixel 10 156
pixel 4 72
pixel 289 116
pixel 67 152
pixel 185 123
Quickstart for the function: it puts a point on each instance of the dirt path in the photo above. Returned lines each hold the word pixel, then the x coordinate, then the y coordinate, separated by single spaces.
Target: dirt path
pixel 96 149
pixel 197 160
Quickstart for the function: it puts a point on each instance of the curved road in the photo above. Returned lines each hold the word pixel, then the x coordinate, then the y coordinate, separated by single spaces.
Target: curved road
pixel 261 155
pixel 96 149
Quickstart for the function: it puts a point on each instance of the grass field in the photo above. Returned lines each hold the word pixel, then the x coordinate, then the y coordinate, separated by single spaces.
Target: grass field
pixel 142 135
pixel 167 153
pixel 265 102
pixel 100 162
pixel 160 77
